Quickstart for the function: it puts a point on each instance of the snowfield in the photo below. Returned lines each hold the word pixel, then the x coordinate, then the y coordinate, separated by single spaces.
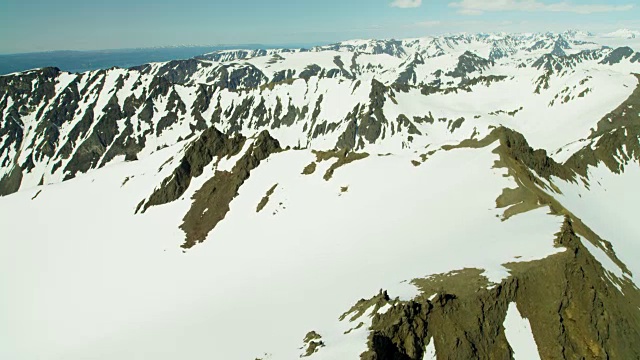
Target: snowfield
pixel 518 332
pixel 608 207
pixel 117 285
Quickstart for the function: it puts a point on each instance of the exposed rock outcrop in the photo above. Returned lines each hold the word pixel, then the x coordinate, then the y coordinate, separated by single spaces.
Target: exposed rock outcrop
pixel 574 310
pixel 211 201
pixel 210 145
pixel 614 142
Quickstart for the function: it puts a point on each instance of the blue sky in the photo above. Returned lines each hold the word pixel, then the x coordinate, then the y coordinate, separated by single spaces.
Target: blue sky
pixel 28 25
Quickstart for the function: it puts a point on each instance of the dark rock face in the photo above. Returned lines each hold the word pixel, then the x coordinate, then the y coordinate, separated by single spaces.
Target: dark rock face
pixel 234 55
pixel 565 296
pixel 179 71
pixel 91 150
pixel 62 111
pixel 11 133
pixel 348 139
pixel 500 50
pixel 93 135
pixel 283 75
pixel 402 338
pixel 574 314
pixel 233 78
pixel 403 121
pixel 614 142
pixel 561 43
pixel 341 69
pixel 390 47
pixel 263 202
pixel 241 113
pixel 313 342
pixel 468 63
pixel 210 145
pixel 375 47
pixel 616 56
pixel 540 44
pixel 126 144
pixel 310 71
pixel 482 80
pixel 343 157
pixel 211 202
pixel 73 134
pixel 165 122
pixel 558 50
pixel 516 147
pixel 204 94
pixel 461 328
pixel 371 123
pixel 314 115
pixel 12 128
pixel 559 62
pixel 408 76
pixel 10 183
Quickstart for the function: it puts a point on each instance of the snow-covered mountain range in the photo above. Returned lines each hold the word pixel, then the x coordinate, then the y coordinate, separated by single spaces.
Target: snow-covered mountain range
pixel 460 196
pixel 624 33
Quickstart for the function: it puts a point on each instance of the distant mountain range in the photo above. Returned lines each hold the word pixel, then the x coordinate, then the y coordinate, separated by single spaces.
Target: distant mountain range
pixel 81 61
pixel 624 33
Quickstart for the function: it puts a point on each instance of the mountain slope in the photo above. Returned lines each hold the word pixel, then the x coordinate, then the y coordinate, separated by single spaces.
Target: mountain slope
pixel 368 199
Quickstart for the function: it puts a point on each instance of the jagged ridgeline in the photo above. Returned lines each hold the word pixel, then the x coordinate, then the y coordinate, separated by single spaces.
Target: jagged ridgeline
pixel 484 183
pixel 57 125
pixel 573 313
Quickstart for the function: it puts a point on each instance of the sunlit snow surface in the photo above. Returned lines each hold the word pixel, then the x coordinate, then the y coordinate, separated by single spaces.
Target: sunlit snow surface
pixel 609 207
pixel 83 277
pixel 518 332
pixel 430 352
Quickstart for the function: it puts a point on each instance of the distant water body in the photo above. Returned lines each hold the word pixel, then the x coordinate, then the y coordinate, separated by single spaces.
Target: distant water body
pixel 80 61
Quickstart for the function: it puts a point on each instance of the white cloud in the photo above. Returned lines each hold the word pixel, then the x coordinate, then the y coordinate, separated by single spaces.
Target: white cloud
pixel 477 7
pixel 406 3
